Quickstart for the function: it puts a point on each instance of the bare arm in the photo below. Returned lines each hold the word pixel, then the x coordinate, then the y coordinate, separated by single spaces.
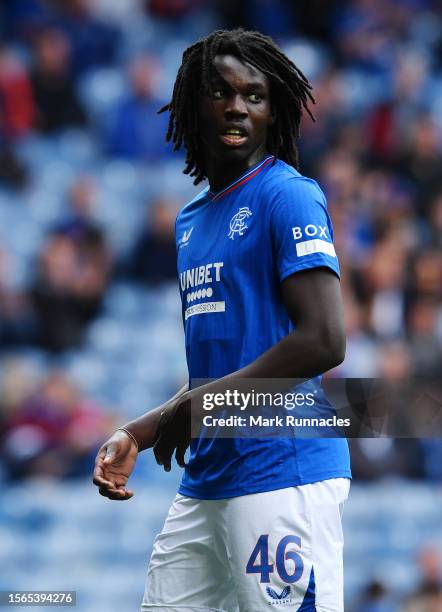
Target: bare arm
pixel 144 428
pixel 116 459
pixel 314 303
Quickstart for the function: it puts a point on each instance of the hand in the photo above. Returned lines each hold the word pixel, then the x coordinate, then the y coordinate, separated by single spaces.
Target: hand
pixel 114 464
pixel 173 433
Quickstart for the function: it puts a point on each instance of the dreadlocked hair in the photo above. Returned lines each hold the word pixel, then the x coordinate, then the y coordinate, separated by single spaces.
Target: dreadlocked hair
pixel 290 94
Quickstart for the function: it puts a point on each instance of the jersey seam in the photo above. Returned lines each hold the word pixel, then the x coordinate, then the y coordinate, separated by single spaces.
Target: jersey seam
pixel 308 266
pixel 282 484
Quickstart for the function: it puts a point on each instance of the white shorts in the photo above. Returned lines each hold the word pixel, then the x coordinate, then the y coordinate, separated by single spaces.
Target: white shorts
pixel 246 554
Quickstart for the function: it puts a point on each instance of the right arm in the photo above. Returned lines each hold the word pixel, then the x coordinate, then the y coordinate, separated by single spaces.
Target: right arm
pixel 116 459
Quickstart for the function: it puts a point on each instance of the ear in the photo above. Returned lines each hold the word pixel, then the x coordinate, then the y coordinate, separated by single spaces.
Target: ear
pixel 272 117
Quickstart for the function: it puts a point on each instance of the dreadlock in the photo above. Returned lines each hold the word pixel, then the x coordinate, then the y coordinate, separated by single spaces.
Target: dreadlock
pixel 290 94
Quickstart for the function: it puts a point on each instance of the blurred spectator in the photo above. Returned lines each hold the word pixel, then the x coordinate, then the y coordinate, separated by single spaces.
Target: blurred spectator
pixel 315 18
pixel 17 381
pixel 54 432
pixel 361 358
pixel 432 451
pixel 425 346
pixel 13 173
pixel 16 103
pixel 428 596
pixel 69 288
pixel 78 221
pixel 365 33
pixel 377 458
pixel 435 218
pixel 384 275
pixel 426 274
pixel 137 132
pixel 24 17
pixel 421 162
pixel 17 320
pixel 16 116
pixel 58 105
pixel 376 598
pixel 273 17
pixel 93 42
pixel 154 256
pixel 171 9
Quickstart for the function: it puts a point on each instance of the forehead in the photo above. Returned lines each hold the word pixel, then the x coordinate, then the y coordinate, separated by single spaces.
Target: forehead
pixel 238 73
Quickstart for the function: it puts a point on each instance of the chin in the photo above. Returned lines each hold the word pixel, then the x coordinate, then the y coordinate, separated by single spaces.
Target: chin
pixel 235 154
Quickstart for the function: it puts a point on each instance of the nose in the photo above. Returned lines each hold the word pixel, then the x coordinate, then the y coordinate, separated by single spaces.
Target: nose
pixel 236 107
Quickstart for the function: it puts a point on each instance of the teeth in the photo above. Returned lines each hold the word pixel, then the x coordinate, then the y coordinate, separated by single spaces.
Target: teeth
pixel 234 132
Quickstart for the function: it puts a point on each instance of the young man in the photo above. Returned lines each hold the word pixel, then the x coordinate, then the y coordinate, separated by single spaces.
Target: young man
pixel 256 522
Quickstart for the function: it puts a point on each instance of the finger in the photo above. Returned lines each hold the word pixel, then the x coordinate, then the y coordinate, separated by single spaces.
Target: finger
pixel 116 494
pixel 102 482
pixel 156 452
pixel 179 455
pixel 111 453
pixel 163 453
pixel 99 480
pixel 100 455
pixel 107 492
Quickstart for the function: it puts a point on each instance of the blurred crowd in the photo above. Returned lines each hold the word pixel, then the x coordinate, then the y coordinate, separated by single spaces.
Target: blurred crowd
pixel 375 148
pixel 93 74
pixel 427 597
pixel 48 427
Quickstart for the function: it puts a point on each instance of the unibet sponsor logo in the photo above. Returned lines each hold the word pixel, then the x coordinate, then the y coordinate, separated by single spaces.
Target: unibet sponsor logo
pixel 201 275
pixel 191 281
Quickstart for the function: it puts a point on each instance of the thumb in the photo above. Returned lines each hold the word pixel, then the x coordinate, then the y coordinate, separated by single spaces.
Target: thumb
pixel 111 453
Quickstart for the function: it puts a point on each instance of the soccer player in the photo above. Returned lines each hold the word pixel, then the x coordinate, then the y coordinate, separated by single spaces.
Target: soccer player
pixel 257 521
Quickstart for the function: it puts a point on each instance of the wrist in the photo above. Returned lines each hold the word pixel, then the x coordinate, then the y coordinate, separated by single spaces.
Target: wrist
pixel 131 436
pixel 143 430
pixel 193 400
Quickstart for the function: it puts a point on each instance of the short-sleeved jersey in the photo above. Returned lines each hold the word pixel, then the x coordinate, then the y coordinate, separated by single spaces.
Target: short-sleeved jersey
pixel 234 249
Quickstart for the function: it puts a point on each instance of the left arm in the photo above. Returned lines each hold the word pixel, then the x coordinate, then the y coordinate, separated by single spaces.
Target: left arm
pixel 314 303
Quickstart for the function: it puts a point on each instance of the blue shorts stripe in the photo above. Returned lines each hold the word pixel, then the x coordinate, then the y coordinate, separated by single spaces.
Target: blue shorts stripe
pixel 308 603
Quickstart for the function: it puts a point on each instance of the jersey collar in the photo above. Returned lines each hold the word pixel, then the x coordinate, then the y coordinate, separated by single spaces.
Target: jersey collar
pixel 249 174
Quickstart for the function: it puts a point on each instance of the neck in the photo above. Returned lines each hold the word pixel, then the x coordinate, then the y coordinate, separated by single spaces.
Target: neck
pixel 222 174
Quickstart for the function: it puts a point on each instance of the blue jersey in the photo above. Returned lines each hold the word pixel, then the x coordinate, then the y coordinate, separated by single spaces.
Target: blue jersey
pixel 235 247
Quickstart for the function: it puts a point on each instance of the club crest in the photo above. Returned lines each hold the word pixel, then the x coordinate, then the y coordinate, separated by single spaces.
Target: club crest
pixel 238 223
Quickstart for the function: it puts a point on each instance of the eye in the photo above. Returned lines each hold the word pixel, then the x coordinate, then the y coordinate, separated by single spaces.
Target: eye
pixel 217 94
pixel 254 97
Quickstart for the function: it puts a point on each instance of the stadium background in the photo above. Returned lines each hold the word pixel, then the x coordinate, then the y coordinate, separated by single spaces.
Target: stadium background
pixel 90 329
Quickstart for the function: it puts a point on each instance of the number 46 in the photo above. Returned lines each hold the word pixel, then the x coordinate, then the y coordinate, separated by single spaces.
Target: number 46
pixel 282 555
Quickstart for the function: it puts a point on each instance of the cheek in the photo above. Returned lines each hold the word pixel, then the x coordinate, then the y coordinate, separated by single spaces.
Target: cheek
pixel 263 118
pixel 262 123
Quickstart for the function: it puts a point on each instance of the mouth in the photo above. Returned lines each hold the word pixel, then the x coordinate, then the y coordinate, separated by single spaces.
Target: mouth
pixel 234 137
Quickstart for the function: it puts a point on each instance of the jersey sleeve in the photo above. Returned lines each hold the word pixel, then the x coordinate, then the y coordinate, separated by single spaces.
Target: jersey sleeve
pixel 301 229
